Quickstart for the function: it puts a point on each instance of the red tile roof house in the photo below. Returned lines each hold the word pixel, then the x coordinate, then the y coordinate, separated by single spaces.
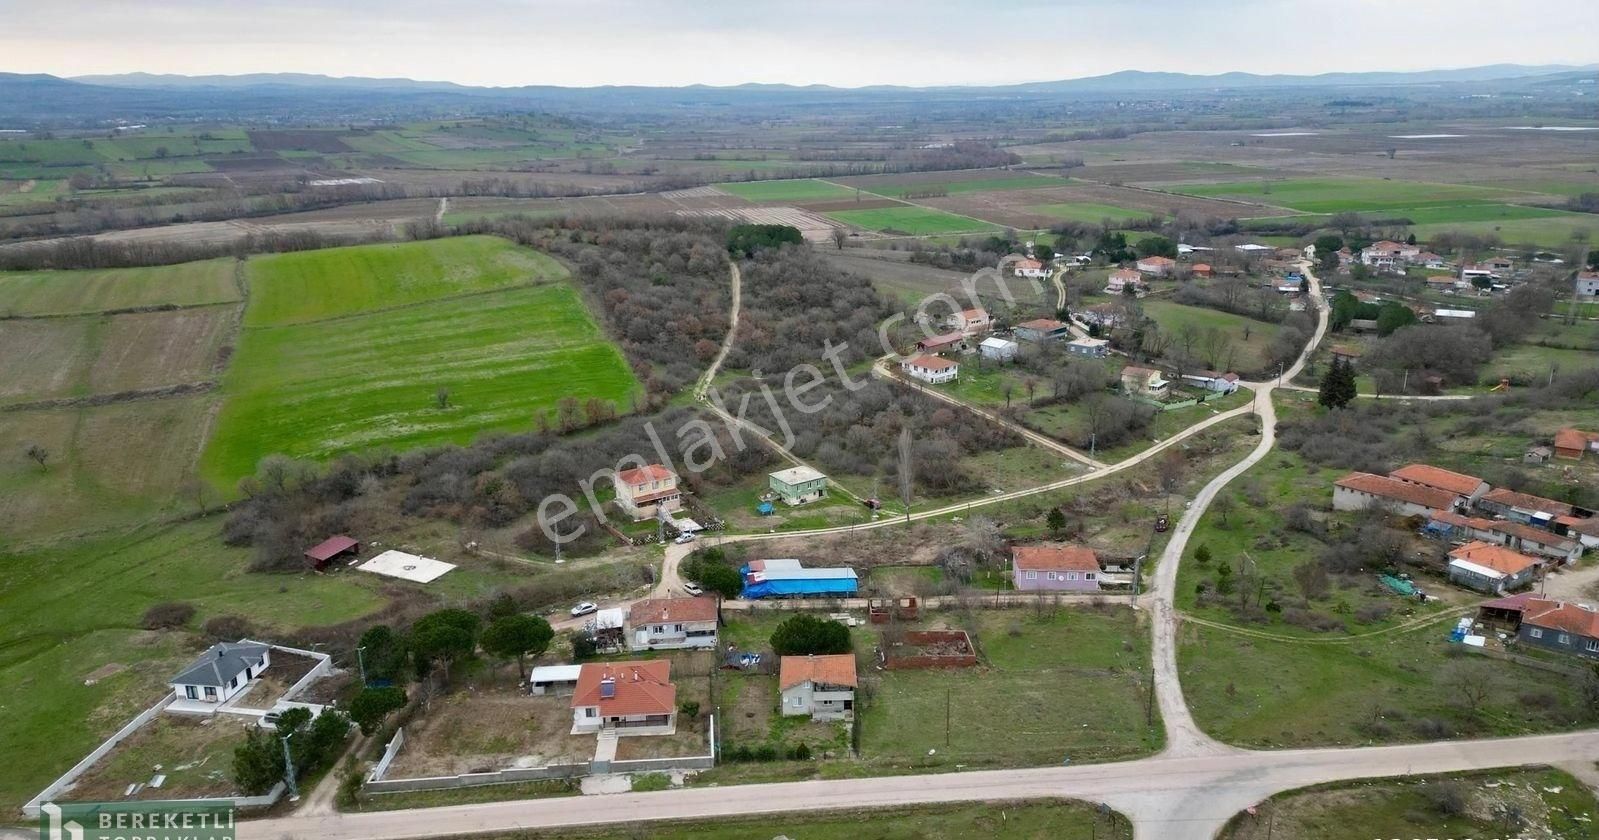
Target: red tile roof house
pixel 1559 626
pixel 1467 488
pixel 820 686
pixel 1054 568
pixel 934 370
pixel 1121 278
pixel 632 698
pixel 1491 568
pixel 1364 491
pixel 1571 443
pixel 946 343
pixel 641 490
pixel 1534 541
pixel 1158 266
pixel 672 624
pixel 970 322
pixel 1030 268
pixel 1523 507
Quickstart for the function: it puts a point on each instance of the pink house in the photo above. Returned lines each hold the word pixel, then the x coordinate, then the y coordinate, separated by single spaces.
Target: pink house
pixel 1055 568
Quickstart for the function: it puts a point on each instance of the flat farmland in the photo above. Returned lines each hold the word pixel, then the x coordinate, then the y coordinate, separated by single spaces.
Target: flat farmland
pixel 52 358
pixel 1088 212
pixel 1252 352
pixel 910 282
pixel 1041 208
pixel 99 290
pixel 900 186
pixel 1334 195
pixel 44 359
pixel 913 221
pixel 108 464
pixel 1547 231
pixel 364 381
pixel 800 189
pixel 306 286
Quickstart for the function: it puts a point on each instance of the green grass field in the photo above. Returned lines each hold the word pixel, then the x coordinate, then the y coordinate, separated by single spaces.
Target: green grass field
pixel 1252 351
pixel 1333 195
pixel 1088 212
pixel 914 221
pixel 72 608
pixel 306 286
pixel 99 290
pixel 956 187
pixel 316 390
pixel 1552 231
pixel 802 189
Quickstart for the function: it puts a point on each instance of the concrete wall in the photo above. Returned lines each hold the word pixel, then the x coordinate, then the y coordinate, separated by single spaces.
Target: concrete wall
pixel 389 752
pixel 31 809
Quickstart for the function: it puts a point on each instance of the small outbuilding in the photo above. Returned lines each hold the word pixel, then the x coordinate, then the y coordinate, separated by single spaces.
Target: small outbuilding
pixel 557 680
pixel 324 553
pixel 998 349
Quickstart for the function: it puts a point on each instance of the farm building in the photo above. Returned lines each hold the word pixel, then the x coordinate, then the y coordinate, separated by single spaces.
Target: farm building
pixel 672 624
pixel 1093 348
pixel 1523 507
pixel 1156 266
pixel 1055 568
pixel 946 343
pixel 797 485
pixel 1572 443
pixel 559 680
pixel 629 698
pixel 998 349
pixel 933 370
pixel 1490 568
pixel 1041 329
pixel 786 578
pixel 330 549
pixel 1467 488
pixel 642 491
pixel 820 686
pixel 1220 383
pixel 1364 491
pixel 1200 270
pixel 220 674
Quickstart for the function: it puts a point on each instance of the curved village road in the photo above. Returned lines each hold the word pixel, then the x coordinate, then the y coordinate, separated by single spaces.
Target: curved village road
pixel 1187 792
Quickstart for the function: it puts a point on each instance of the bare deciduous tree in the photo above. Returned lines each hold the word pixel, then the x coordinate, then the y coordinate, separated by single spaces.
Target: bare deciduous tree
pixel 37 454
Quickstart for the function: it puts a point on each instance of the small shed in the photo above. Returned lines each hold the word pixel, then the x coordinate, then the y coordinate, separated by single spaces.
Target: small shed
pixel 998 349
pixel 559 680
pixel 331 549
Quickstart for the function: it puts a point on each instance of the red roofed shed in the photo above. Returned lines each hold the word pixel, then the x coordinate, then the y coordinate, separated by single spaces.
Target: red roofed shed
pixel 331 549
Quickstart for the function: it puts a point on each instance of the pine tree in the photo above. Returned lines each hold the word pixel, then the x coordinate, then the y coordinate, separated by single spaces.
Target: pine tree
pixel 1347 389
pixel 1330 389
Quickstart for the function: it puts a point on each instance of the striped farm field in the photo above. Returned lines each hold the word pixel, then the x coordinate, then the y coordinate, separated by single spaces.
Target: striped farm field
pixel 955 187
pixel 799 189
pixel 104 289
pixel 913 221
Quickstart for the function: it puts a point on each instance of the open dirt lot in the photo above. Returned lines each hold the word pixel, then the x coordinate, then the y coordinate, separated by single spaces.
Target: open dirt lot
pixel 286 670
pixel 155 349
pixel 195 755
pixel 488 729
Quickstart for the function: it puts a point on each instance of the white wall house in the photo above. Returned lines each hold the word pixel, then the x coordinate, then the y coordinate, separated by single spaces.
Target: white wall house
pixel 643 490
pixel 629 698
pixel 822 687
pixel 221 673
pixel 935 370
pixel 1364 491
pixel 672 624
pixel 998 349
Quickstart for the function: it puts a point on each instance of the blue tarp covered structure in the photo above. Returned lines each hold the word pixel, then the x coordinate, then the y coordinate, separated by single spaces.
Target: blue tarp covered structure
pixel 788 579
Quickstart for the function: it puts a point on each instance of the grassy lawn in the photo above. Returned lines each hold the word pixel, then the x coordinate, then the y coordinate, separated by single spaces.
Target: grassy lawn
pixel 802 189
pixel 1088 212
pixel 313 391
pixel 101 289
pixel 1391 687
pixel 73 608
pixel 1252 351
pixel 1334 195
pixel 909 220
pixel 1549 231
pixel 736 503
pixel 1552 803
pixel 1054 687
pixel 1030 820
pixel 306 286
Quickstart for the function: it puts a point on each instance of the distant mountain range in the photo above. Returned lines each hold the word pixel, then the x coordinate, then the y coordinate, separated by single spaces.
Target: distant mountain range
pixel 1125 80
pixel 44 100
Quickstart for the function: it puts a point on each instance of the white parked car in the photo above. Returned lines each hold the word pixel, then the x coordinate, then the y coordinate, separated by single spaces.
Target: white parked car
pixel 685 537
pixel 693 588
pixel 585 608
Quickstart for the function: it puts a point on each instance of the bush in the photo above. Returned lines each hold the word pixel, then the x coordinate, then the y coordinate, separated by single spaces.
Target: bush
pixel 1433 729
pixel 805 634
pixel 764 752
pixel 1448 799
pixel 689 709
pixel 167 616
pixel 228 628
pixel 650 782
pixel 372 705
pixel 800 752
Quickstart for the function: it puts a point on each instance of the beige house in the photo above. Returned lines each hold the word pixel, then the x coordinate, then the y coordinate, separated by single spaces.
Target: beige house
pixel 644 490
pixel 820 686
pixel 1145 382
pixel 970 322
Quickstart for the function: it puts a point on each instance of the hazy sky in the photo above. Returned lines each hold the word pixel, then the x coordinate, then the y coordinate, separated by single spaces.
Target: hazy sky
pixel 671 42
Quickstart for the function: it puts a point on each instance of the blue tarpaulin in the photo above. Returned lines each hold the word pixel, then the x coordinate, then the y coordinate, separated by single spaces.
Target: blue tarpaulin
pixel 794 582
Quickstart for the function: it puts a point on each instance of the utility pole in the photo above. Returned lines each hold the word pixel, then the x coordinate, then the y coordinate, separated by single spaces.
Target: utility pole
pixel 288 769
pixel 361 661
pixel 946 717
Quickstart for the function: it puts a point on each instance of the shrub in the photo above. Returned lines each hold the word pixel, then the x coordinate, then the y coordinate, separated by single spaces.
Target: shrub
pixel 800 752
pixel 1433 729
pixel 689 709
pixel 228 628
pixel 167 616
pixel 1448 799
pixel 805 634
pixel 764 752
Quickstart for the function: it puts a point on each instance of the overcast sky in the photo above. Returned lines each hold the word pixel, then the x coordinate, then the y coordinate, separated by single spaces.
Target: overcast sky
pixel 837 42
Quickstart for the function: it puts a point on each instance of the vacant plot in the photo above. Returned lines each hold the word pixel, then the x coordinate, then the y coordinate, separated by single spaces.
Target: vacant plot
pixel 1333 195
pixel 44 359
pixel 901 187
pixel 312 390
pixel 802 189
pixel 912 221
pixel 195 755
pixel 1548 231
pixel 1024 208
pixel 912 282
pixel 1088 213
pixel 1250 338
pixel 1058 684
pixel 310 286
pixel 489 729
pixel 1392 687
pixel 156 349
pixel 1530 802
pixel 99 290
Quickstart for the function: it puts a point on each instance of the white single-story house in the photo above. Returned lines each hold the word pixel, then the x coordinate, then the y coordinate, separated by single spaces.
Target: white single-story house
pixel 1221 383
pixel 557 680
pixel 998 349
pixel 1490 568
pixel 672 624
pixel 221 673
pixel 630 698
pixel 820 686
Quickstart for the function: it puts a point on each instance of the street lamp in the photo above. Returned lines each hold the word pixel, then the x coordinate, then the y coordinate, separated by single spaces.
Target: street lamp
pixel 288 769
pixel 361 662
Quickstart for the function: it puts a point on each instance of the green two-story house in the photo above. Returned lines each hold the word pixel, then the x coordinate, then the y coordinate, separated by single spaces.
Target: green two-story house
pixel 797 485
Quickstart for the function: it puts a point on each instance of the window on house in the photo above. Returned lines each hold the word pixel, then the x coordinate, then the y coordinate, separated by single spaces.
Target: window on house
pixel 1049 576
pixel 590 712
pixel 1591 645
pixel 1071 575
pixel 1088 576
pixel 210 693
pixel 191 693
pixel 1032 576
pixel 1535 633
pixel 797 702
pixel 1564 639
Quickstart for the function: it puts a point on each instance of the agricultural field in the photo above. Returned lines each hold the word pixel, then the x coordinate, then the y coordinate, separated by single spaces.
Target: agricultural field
pixel 305 286
pixel 803 189
pixel 1334 195
pixel 1550 804
pixel 902 187
pixel 911 221
pixel 1551 231
pixel 366 381
pixel 1250 338
pixel 102 290
pixel 1088 212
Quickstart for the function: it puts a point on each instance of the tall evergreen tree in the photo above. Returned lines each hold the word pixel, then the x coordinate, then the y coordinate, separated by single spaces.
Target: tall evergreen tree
pixel 1337 384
